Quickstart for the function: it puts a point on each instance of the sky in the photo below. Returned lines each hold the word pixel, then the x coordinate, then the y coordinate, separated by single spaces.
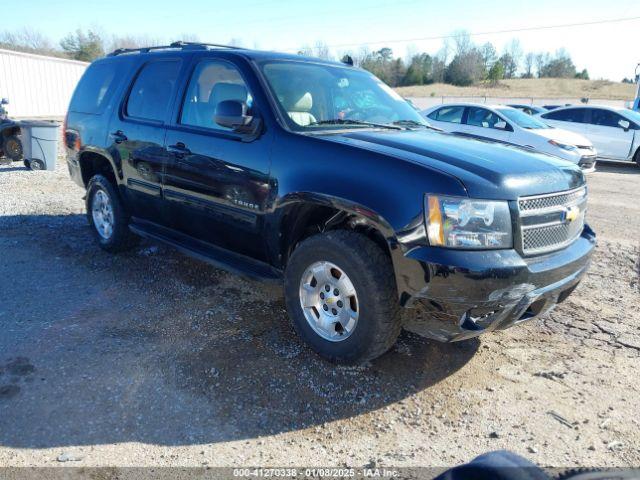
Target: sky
pixel 608 50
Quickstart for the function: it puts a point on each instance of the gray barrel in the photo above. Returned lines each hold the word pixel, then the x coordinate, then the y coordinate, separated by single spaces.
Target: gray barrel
pixel 40 141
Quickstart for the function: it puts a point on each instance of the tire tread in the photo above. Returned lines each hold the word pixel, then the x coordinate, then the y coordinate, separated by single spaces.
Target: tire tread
pixel 378 277
pixel 122 239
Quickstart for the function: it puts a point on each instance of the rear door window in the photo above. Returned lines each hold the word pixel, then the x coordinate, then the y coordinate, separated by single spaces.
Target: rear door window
pixel 152 91
pixel 575 115
pixel 481 117
pixel 448 114
pixel 96 87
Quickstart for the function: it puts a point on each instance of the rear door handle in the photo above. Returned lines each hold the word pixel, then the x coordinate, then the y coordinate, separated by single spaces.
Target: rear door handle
pixel 179 149
pixel 119 136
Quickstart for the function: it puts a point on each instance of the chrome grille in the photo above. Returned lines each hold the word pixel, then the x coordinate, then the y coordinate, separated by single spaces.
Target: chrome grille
pixel 550 222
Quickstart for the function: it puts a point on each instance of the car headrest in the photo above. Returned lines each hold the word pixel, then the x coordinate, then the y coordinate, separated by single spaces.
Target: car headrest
pixel 227 91
pixel 298 102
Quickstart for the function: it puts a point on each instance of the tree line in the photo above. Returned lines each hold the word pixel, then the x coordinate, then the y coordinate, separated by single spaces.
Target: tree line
pixel 82 45
pixel 459 61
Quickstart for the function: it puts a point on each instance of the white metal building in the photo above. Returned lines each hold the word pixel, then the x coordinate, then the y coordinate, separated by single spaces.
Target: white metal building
pixel 37 86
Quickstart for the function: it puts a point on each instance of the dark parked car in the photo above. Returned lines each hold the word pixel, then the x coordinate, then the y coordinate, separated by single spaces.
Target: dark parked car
pixel 528 109
pixel 318 175
pixel 553 107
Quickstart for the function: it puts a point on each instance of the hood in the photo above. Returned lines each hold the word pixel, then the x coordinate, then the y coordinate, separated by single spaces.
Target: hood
pixel 487 169
pixel 563 136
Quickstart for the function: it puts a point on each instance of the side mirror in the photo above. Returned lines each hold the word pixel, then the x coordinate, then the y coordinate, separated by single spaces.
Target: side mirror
pixel 624 124
pixel 4 101
pixel 500 125
pixel 232 114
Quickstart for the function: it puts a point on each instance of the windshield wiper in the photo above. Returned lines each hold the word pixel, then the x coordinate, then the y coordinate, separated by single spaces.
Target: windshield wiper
pixel 341 121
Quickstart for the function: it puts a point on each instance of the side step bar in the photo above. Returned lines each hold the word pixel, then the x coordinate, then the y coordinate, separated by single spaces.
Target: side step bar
pixel 214 255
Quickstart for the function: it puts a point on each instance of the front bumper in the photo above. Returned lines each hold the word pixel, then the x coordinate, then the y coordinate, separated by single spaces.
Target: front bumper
pixel 457 295
pixel 588 163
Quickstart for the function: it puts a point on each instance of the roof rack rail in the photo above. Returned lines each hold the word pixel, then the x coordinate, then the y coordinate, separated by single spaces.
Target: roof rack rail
pixel 175 45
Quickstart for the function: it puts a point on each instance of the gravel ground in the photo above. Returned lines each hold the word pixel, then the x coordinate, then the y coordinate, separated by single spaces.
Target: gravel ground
pixel 151 358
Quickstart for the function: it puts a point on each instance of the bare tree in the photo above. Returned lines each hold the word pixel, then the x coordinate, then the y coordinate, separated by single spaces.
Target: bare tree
pixel 445 51
pixel 133 41
pixel 541 60
pixel 321 50
pixel 306 51
pixel 27 40
pixel 512 52
pixel 529 60
pixel 489 55
pixel 411 52
pixel 462 42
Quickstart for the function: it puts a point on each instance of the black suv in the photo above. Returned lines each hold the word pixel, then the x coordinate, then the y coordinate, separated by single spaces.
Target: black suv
pixel 319 175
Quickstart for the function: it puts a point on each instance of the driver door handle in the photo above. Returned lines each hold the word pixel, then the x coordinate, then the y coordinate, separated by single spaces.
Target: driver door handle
pixel 119 136
pixel 179 149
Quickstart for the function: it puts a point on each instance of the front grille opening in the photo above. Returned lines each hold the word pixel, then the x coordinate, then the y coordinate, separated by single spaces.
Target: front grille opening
pixel 563 296
pixel 534 309
pixel 551 222
pixel 479 318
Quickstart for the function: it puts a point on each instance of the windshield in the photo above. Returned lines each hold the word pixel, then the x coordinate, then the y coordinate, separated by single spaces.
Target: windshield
pixel 522 119
pixel 314 96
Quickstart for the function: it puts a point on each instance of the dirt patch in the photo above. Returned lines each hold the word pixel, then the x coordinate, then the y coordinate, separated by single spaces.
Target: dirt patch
pixel 151 358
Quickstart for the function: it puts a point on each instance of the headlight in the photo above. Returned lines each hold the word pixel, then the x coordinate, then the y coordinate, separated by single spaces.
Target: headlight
pixel 465 223
pixel 563 146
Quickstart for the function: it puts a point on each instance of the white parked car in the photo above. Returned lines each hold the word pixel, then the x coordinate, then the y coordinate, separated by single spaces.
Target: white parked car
pixel 615 132
pixel 508 125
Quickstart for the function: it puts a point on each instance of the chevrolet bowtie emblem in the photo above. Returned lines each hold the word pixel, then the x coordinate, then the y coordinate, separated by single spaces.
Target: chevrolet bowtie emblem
pixel 572 214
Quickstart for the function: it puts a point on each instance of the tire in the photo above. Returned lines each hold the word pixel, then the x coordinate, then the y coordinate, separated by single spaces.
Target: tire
pixel 118 237
pixel 371 274
pixel 27 163
pixel 12 148
pixel 637 158
pixel 36 164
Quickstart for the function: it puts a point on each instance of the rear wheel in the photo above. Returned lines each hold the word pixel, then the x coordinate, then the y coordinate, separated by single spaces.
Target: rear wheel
pixel 637 158
pixel 107 216
pixel 341 296
pixel 12 148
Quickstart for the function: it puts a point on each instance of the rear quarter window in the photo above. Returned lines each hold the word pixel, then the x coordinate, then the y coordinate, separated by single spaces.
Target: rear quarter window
pixel 152 90
pixel 96 87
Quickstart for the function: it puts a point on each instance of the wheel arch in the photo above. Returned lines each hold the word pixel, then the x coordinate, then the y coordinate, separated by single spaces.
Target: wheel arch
pixel 10 130
pixel 302 215
pixel 93 162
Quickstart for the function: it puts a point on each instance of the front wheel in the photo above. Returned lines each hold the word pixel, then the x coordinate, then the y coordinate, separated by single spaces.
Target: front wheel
pixel 107 215
pixel 341 296
pixel 12 148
